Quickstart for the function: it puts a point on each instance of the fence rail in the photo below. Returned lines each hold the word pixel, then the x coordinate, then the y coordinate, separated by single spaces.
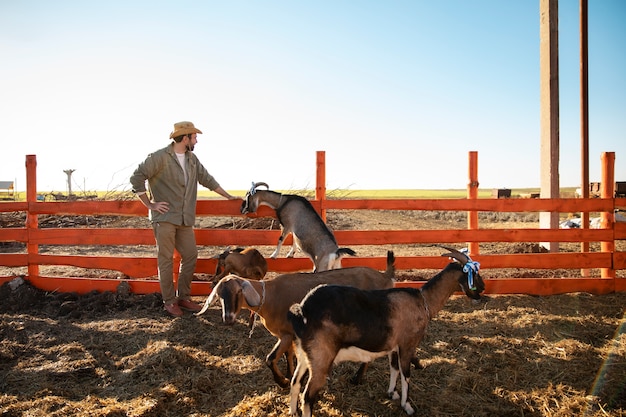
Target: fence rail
pixel 608 260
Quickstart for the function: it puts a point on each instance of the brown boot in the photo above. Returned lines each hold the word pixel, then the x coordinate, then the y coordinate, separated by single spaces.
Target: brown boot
pixel 173 309
pixel 189 305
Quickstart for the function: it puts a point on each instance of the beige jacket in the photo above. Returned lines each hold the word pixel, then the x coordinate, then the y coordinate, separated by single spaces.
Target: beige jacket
pixel 166 182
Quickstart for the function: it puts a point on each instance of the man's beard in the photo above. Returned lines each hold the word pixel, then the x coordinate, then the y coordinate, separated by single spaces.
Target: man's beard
pixel 190 148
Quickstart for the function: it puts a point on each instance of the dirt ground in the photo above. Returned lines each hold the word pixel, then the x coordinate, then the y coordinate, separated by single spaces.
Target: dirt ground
pixel 119 354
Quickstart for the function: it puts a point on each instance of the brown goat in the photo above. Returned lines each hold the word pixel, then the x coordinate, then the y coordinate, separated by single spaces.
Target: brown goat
pixel 246 263
pixel 271 299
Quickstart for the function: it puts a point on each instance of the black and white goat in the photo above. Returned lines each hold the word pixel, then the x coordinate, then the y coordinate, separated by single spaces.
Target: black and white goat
pixel 298 217
pixel 338 323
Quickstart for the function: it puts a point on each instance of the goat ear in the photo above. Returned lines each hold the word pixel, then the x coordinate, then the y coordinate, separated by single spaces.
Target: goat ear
pixel 252 297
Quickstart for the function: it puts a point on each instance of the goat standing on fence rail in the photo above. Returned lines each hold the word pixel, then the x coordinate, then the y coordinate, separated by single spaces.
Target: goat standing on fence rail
pixel 173 174
pixel 336 323
pixel 297 216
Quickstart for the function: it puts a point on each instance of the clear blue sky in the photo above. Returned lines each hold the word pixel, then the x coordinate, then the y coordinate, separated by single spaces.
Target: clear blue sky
pixel 396 92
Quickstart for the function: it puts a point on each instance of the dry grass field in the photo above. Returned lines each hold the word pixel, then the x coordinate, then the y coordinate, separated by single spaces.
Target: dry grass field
pixel 119 354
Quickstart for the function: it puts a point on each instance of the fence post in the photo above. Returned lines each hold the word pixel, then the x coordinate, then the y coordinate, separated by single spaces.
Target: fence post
pixel 472 194
pixel 607 220
pixel 320 182
pixel 32 221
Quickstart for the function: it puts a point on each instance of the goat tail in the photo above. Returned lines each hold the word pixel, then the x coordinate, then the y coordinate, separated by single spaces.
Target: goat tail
pixel 390 272
pixel 296 317
pixel 344 251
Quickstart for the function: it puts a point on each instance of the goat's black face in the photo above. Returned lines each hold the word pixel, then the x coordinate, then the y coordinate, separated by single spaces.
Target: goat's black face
pixel 477 286
pixel 250 203
pixel 244 204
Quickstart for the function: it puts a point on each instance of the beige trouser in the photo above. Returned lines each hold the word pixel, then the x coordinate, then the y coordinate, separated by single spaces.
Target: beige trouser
pixel 182 238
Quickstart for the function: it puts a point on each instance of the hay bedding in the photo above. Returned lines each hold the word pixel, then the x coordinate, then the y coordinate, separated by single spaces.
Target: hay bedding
pixel 120 355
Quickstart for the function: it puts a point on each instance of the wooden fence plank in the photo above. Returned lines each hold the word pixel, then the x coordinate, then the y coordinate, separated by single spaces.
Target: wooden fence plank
pixel 231 207
pixel 530 286
pixel 8 206
pixel 136 267
pixel 139 267
pixel 14 235
pixel 13 259
pixel 92 236
pixel 225 237
pixel 515 205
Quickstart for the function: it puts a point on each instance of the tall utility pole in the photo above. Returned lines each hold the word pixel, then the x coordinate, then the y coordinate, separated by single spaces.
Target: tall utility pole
pixel 549 92
pixel 584 121
pixel 69 180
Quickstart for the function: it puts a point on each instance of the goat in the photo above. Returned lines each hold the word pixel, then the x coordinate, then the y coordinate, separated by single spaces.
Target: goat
pixel 271 299
pixel 336 323
pixel 246 263
pixel 298 217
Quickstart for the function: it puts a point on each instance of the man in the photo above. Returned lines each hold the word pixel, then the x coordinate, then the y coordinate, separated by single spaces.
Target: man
pixel 173 174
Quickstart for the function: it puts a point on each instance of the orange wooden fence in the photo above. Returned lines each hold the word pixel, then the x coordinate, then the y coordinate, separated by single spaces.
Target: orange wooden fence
pixel 608 260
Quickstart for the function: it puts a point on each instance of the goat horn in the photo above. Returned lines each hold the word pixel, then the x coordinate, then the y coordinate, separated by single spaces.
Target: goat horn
pixel 258 184
pixel 458 255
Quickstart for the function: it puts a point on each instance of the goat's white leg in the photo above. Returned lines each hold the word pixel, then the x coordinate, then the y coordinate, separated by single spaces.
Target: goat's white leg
pixel 393 376
pixel 405 394
pixel 295 247
pixel 281 239
pixel 294 393
pixel 296 382
pixel 404 367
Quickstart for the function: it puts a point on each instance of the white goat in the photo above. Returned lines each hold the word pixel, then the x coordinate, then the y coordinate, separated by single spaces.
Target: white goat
pixel 298 217
pixel 337 323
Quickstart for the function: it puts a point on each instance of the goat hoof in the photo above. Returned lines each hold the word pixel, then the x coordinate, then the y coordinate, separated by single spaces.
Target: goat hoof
pixel 283 383
pixel 409 410
pixel 356 379
pixel 393 395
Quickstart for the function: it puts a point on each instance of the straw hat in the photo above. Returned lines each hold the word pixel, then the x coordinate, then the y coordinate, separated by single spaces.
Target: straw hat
pixel 183 128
